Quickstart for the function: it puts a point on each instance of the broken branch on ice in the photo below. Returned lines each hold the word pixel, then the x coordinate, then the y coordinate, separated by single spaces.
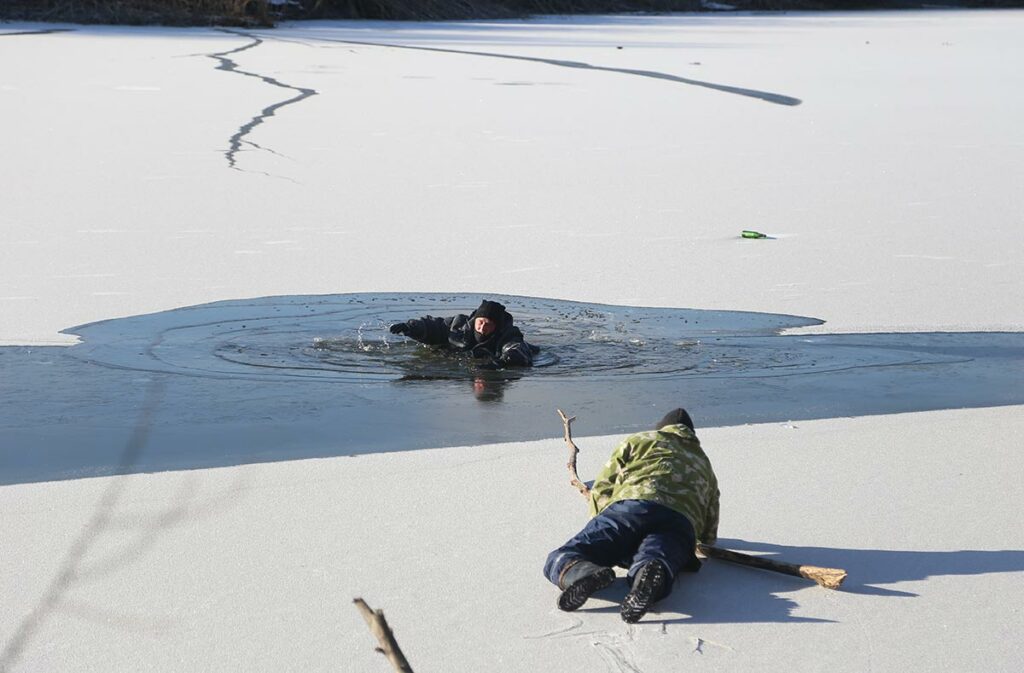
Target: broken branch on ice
pixel 574 478
pixel 830 578
pixel 380 629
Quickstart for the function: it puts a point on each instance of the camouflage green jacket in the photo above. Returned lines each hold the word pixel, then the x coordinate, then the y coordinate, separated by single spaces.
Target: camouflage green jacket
pixel 668 467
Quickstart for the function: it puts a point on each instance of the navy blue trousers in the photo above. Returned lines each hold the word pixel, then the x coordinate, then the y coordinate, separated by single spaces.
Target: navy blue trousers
pixel 629 533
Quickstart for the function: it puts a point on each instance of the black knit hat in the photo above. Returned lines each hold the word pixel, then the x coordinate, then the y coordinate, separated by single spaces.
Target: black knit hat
pixel 676 417
pixel 490 309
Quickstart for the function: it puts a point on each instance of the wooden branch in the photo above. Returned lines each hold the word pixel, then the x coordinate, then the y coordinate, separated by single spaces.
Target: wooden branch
pixel 380 629
pixel 830 578
pixel 574 477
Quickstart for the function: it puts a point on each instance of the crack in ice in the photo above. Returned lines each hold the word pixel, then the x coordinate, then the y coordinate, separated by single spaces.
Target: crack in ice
pixel 239 138
pixel 767 96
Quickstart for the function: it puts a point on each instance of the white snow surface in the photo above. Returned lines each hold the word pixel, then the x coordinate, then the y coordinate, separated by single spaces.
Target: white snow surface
pixel 614 160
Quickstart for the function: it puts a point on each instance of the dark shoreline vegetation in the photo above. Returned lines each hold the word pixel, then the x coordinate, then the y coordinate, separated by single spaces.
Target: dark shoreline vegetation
pixel 268 12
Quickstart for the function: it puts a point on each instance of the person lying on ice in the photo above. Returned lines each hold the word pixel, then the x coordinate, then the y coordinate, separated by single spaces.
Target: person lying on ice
pixel 654 499
pixel 488 333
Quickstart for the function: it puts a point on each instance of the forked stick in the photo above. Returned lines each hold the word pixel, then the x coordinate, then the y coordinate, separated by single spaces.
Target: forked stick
pixel 830 578
pixel 380 629
pixel 574 478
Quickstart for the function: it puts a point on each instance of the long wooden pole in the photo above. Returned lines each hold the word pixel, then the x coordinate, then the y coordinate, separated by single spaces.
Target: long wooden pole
pixel 830 578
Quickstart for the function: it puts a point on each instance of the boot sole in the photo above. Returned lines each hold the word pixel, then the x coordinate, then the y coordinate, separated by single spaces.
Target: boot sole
pixel 641 597
pixel 577 594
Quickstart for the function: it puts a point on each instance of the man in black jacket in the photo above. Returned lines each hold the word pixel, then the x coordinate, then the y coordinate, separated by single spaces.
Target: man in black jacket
pixel 487 333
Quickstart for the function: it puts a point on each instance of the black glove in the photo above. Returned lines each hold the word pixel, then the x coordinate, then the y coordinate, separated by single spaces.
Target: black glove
pixel 515 355
pixel 399 328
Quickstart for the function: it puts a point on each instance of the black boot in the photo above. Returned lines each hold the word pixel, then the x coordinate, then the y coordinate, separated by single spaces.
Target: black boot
pixel 649 586
pixel 580 580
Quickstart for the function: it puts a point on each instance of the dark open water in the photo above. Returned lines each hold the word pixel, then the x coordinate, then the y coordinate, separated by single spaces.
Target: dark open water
pixel 281 378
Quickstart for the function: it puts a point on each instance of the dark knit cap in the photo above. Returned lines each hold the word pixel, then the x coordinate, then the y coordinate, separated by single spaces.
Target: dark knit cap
pixel 490 309
pixel 676 417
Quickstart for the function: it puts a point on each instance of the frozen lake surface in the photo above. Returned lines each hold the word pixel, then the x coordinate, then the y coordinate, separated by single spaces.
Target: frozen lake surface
pixel 158 179
pixel 292 377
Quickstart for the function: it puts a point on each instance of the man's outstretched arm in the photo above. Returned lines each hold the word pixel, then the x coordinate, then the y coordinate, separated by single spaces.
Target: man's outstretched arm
pixel 427 330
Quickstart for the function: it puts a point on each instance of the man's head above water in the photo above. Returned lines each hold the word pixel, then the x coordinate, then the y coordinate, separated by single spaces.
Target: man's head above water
pixel 489 333
pixel 487 317
pixel 484 326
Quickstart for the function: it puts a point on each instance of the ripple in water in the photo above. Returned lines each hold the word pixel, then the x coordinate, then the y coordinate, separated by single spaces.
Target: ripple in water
pixel 346 337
